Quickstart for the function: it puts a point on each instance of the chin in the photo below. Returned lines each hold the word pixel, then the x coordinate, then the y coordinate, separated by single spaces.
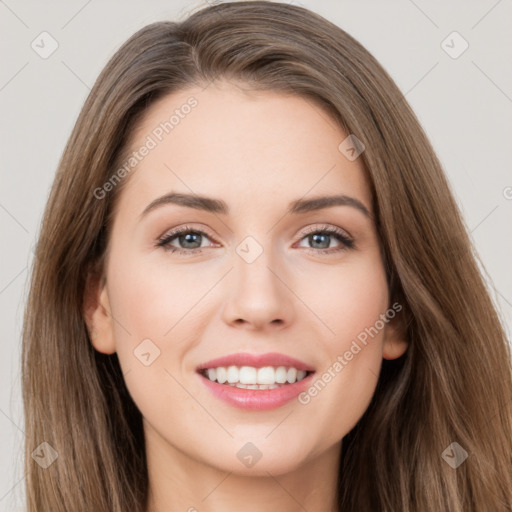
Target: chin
pixel 251 456
pixel 276 463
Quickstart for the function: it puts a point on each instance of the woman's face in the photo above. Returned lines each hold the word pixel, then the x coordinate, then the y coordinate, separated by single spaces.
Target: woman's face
pixel 262 276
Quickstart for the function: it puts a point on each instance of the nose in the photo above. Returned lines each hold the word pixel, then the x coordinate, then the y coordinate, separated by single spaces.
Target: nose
pixel 259 295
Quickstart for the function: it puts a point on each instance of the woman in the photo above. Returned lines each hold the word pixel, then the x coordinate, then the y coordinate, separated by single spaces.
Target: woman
pixel 326 343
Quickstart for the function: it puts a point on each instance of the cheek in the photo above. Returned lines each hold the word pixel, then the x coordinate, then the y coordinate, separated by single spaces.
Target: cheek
pixel 155 301
pixel 342 389
pixel 359 329
pixel 351 300
pixel 158 309
pixel 152 308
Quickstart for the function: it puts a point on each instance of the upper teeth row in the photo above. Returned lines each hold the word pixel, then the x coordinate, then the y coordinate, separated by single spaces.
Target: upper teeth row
pixel 251 375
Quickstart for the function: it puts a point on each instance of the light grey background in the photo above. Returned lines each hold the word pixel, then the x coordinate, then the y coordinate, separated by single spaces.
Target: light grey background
pixel 464 105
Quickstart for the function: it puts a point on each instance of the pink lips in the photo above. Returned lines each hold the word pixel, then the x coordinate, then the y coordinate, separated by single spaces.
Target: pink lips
pixel 254 399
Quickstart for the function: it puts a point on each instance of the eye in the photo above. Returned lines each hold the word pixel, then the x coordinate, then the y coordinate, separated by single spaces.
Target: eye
pixel 190 239
pixel 320 239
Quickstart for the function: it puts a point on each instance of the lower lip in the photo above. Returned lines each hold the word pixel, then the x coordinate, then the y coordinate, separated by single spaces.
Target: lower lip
pixel 254 399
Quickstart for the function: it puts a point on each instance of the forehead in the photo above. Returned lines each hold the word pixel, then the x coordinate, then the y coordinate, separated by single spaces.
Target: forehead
pixel 248 147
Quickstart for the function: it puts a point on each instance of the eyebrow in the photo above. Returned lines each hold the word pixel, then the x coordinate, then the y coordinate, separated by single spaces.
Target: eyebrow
pixel 218 206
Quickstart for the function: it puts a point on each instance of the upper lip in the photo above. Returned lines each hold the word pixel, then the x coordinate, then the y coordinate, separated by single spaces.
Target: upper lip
pixel 257 361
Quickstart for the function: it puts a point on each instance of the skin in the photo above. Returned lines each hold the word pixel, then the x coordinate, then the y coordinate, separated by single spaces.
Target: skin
pixel 257 151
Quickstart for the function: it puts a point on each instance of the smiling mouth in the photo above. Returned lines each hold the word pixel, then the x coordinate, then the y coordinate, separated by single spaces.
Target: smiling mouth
pixel 250 377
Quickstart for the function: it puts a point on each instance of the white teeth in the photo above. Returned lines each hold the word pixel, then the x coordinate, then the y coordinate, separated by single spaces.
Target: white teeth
pixel 232 374
pixel 266 375
pixel 255 386
pixel 281 375
pixel 291 376
pixel 221 375
pixel 249 377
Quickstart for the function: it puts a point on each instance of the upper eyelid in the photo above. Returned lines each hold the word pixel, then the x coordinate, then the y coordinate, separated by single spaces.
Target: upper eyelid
pixel 326 227
pixel 185 229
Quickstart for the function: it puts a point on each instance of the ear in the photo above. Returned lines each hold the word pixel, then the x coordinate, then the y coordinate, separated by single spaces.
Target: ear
pixel 97 314
pixel 395 338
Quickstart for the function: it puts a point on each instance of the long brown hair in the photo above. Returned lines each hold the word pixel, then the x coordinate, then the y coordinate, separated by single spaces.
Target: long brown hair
pixel 454 383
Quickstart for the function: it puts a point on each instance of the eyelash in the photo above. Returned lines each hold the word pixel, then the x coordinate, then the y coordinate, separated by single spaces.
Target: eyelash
pixel 346 242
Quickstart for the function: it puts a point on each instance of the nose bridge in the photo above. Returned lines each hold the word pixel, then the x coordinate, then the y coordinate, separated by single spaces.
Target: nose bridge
pixel 257 294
